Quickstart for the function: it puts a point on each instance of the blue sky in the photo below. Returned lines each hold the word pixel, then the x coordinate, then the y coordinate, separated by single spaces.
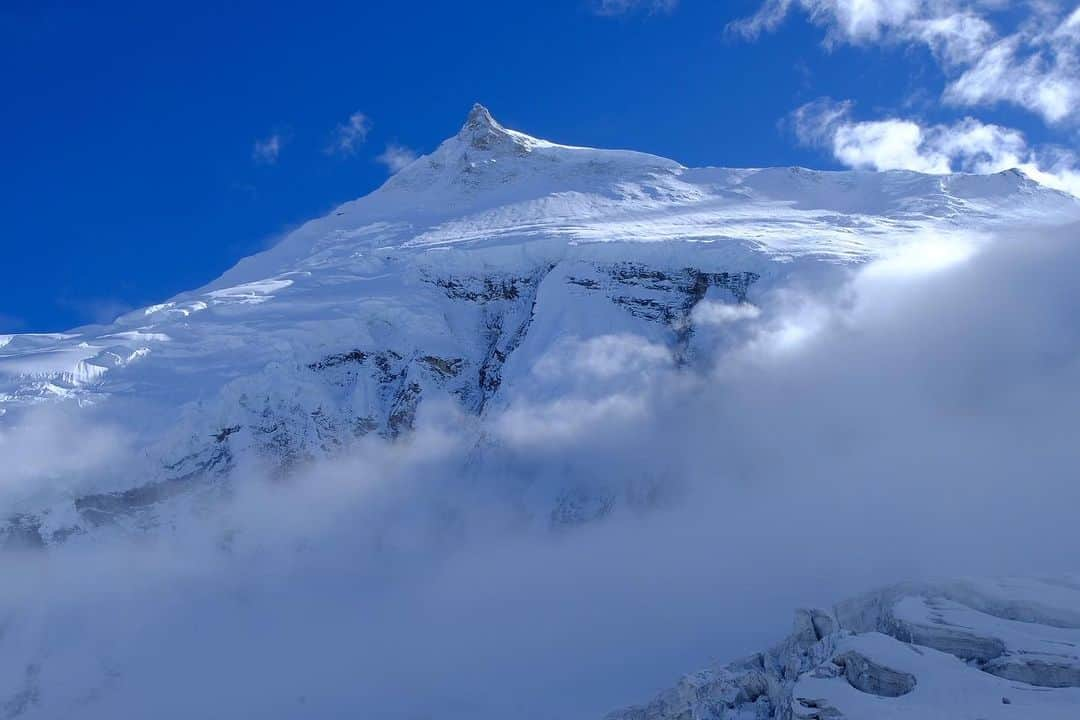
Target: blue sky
pixel 148 147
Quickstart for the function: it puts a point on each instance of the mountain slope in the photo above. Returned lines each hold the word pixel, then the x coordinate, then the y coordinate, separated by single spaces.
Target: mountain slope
pixel 446 286
pixel 533 426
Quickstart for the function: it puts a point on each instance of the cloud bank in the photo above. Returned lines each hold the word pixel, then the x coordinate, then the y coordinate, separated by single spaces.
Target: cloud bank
pixel 913 420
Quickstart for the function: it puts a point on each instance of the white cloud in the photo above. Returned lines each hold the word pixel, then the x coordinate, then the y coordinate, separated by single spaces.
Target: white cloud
pixel 956 39
pixel 567 420
pixel 851 20
pixel 1035 66
pixel 52 451
pixel 711 312
pixel 903 144
pixel 267 150
pixel 602 357
pixel 1038 70
pixel 396 157
pixel 1056 168
pixel 927 415
pixel 622 7
pixel 350 135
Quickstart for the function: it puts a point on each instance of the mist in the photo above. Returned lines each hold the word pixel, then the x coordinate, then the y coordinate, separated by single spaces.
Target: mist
pixel 918 421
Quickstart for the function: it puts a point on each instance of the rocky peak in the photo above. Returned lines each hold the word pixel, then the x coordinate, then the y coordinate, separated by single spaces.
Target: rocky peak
pixel 480 118
pixel 482 131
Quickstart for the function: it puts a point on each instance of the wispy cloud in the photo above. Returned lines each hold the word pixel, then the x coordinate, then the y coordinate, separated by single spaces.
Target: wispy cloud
pixel 1035 65
pixel 622 7
pixel 1037 68
pixel 52 450
pixel 396 157
pixel 905 144
pixel 844 20
pixel 350 135
pixel 711 312
pixel 267 150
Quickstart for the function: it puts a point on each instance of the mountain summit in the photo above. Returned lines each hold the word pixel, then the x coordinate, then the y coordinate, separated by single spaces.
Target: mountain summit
pixel 481 131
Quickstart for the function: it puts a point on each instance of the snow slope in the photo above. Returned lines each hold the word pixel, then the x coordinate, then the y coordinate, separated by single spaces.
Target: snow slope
pixel 448 285
pixel 970 648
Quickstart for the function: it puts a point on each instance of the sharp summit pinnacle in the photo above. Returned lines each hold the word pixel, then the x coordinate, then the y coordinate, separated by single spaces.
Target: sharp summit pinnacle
pixel 481 131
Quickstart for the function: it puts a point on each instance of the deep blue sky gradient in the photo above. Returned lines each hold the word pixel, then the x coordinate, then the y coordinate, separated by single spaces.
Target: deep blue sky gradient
pixel 127 129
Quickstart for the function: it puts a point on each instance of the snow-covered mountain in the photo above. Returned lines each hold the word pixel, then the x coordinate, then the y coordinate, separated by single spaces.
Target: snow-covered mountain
pixel 498 273
pixel 448 284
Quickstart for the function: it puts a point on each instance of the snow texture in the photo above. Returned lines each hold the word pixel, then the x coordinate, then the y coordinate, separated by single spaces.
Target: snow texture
pixel 935 651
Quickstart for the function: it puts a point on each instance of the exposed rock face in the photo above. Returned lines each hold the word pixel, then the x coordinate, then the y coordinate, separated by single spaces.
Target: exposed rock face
pixel 899 652
pixel 294 414
pixel 508 305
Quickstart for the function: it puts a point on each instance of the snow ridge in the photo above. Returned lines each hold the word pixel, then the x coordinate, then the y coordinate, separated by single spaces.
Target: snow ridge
pixel 967 648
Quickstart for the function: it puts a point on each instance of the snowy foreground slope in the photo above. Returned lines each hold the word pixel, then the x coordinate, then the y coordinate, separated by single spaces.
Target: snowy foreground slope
pixel 944 651
pixel 448 285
